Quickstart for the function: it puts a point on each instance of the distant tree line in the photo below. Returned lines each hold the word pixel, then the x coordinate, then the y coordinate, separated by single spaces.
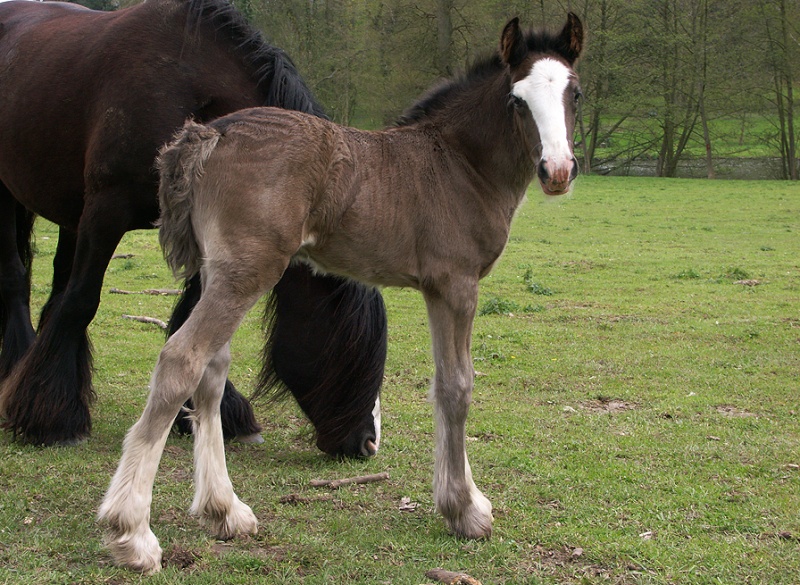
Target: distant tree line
pixel 663 80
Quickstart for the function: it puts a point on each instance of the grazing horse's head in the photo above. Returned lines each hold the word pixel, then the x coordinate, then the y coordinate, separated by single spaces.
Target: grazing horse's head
pixel 545 88
pixel 339 395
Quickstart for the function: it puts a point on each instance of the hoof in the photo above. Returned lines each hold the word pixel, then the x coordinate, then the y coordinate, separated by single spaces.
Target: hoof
pixel 238 520
pixel 138 551
pixel 75 442
pixel 255 438
pixel 474 522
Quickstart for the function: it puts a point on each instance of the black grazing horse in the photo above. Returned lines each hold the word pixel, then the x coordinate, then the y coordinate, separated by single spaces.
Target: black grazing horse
pixel 87 100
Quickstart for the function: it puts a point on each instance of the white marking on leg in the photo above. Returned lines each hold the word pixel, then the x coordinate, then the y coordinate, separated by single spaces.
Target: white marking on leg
pixel 126 506
pixel 376 419
pixel 466 510
pixel 215 503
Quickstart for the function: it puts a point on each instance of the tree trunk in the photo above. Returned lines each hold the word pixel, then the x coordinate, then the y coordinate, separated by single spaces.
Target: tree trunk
pixel 444 37
pixel 707 139
pixel 791 145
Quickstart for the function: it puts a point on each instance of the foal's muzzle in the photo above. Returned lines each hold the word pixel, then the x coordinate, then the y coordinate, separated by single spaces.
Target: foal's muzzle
pixel 557 176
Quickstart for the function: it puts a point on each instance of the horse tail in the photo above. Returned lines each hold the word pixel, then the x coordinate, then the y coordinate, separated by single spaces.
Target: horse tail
pixel 181 165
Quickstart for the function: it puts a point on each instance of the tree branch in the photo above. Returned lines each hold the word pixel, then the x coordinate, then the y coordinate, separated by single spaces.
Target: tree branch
pixel 337 483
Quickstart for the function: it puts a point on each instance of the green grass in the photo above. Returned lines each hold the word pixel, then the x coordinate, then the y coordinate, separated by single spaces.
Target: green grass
pixel 645 411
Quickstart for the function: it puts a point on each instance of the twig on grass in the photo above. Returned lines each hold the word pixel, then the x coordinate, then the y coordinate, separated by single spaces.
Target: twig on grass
pixel 451 578
pixel 150 291
pixel 142 319
pixel 337 483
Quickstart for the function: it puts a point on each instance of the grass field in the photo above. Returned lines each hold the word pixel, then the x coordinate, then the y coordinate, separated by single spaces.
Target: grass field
pixel 635 417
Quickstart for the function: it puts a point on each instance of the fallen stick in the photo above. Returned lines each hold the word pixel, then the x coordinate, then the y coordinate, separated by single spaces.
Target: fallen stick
pixel 141 319
pixel 122 256
pixel 149 291
pixel 451 578
pixel 337 483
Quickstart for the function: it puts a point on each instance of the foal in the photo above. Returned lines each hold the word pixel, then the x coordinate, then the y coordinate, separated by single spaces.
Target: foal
pixel 427 204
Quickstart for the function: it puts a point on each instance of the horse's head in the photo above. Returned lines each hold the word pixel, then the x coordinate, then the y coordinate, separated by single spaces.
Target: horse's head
pixel 363 440
pixel 545 88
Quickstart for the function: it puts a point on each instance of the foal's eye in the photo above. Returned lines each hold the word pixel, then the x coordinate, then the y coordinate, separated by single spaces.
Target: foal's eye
pixel 578 96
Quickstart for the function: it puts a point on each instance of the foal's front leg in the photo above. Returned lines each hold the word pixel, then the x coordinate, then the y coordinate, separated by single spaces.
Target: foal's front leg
pixel 465 509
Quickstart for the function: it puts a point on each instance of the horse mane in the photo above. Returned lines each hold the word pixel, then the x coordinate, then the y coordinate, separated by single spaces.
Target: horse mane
pixel 274 72
pixel 441 95
pixel 482 69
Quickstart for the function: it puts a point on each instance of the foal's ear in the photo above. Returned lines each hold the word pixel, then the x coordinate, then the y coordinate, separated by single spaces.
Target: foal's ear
pixel 571 38
pixel 512 44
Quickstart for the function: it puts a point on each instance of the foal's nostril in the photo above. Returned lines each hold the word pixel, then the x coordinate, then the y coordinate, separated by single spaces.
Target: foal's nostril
pixel 574 172
pixel 544 176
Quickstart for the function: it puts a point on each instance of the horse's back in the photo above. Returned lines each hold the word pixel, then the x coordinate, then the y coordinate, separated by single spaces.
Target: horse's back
pixel 77 108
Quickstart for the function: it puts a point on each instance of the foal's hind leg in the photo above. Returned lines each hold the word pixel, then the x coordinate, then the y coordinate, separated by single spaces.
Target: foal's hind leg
pixel 181 366
pixel 451 312
pixel 238 419
pixel 214 501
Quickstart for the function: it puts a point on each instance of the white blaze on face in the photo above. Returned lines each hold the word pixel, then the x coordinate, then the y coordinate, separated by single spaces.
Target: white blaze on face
pixel 376 418
pixel 543 92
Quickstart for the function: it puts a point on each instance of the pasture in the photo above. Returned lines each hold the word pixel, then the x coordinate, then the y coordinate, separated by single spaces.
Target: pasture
pixel 635 416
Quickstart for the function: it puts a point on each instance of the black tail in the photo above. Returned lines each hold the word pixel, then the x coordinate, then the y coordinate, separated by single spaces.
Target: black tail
pixel 327 346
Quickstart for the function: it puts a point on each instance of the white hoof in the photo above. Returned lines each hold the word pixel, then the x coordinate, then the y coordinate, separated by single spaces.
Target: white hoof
pixel 239 519
pixel 474 521
pixel 138 551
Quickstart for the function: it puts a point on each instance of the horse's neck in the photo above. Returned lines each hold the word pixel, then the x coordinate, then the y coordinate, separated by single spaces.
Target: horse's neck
pixel 489 135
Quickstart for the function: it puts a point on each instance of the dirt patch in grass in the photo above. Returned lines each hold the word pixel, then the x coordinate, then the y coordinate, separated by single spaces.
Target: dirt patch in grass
pixel 180 558
pixel 734 412
pixel 570 565
pixel 607 405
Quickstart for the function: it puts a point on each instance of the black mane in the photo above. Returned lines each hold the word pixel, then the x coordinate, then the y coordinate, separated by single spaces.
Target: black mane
pixel 440 95
pixel 538 41
pixel 273 69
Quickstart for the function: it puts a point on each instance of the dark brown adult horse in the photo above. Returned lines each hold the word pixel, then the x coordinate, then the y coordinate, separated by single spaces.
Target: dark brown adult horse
pixel 426 205
pixel 87 100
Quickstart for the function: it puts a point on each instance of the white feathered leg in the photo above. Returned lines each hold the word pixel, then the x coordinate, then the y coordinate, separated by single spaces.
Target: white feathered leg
pixel 466 510
pixel 126 506
pixel 197 351
pixel 215 503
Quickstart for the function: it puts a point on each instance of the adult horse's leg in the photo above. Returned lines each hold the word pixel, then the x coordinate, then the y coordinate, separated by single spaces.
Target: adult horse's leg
pixel 47 395
pixel 16 331
pixel 238 419
pixel 451 311
pixel 195 358
pixel 62 269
